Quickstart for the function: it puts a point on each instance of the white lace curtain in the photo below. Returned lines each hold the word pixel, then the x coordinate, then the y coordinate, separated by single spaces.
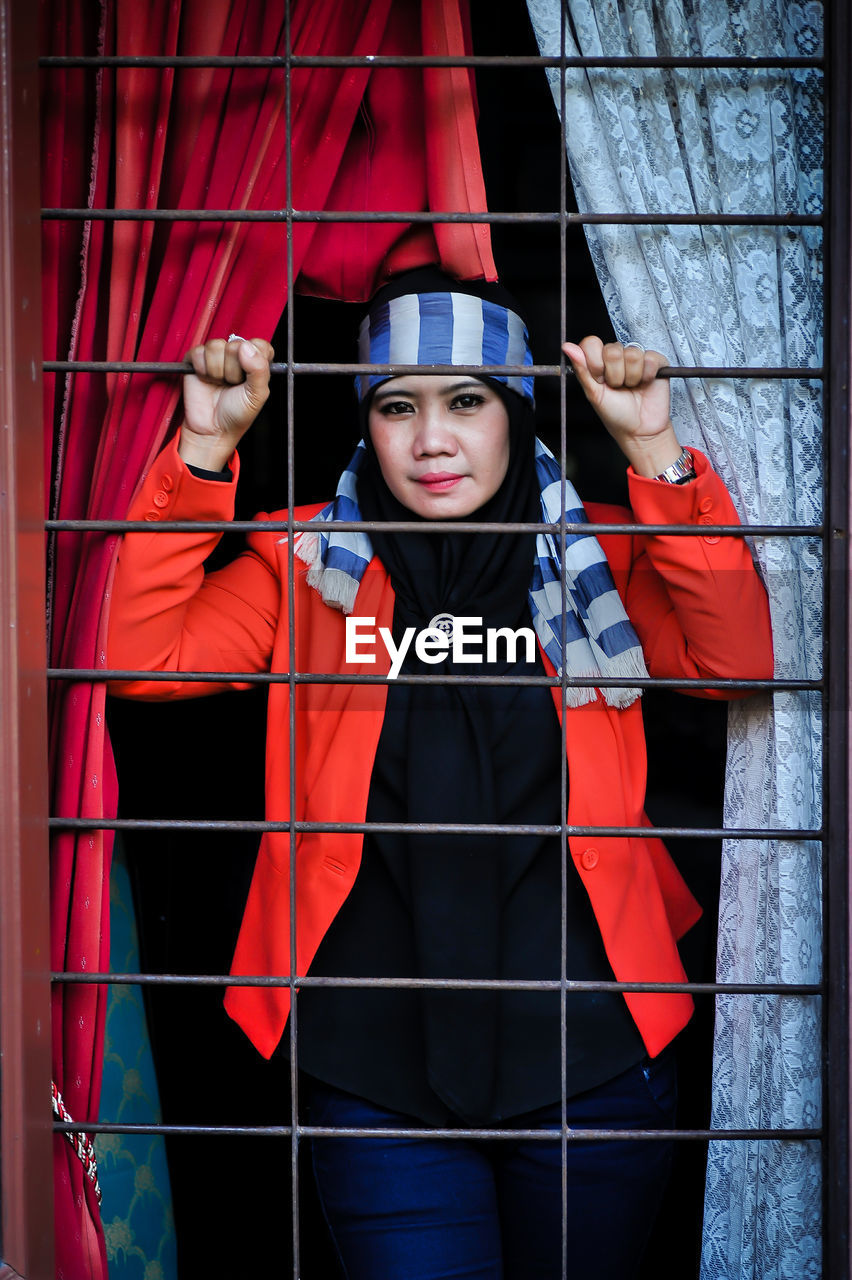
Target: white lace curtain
pixel 733 141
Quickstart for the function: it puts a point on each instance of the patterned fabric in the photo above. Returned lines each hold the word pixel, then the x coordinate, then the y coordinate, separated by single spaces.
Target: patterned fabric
pixel 594 637
pixel 137 1205
pixel 685 140
pixel 443 328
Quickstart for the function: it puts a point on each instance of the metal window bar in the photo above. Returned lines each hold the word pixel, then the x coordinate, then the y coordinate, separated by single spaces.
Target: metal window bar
pixel 293 1023
pixel 833 685
pixel 375 61
pixel 318 215
pixel 835 701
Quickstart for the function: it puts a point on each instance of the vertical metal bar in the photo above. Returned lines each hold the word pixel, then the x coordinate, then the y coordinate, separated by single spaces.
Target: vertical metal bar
pixel 291 613
pixel 25 1119
pixel 563 781
pixel 836 1243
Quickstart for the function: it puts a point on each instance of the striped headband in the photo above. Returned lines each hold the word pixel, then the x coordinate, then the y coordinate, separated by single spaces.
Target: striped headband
pixel 443 328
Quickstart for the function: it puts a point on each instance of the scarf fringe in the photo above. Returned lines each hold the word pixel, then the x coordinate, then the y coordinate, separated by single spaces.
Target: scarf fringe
pixel 584 694
pixel 624 666
pixel 338 589
pixel 629 664
pixel 306 546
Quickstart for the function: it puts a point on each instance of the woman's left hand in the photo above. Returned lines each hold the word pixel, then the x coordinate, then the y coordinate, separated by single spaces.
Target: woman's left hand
pixel 622 386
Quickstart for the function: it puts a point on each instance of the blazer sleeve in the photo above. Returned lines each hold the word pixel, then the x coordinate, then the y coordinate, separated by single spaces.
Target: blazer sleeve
pixel 166 614
pixel 697 602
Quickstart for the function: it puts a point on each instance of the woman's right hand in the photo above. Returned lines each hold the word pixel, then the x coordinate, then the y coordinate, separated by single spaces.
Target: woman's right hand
pixel 222 397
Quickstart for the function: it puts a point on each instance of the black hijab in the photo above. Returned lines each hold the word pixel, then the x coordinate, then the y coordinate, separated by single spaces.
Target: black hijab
pixel 450 754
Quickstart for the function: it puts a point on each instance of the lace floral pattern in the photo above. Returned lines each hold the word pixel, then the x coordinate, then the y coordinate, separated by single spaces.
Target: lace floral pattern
pixel 684 140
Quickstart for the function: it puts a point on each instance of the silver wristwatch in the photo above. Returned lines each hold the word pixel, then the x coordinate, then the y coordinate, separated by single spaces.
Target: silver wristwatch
pixel 681 471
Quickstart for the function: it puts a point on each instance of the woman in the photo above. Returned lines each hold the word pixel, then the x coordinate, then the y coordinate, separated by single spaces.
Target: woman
pixel 436 904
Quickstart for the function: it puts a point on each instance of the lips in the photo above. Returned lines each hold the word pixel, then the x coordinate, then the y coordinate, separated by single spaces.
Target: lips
pixel 439 481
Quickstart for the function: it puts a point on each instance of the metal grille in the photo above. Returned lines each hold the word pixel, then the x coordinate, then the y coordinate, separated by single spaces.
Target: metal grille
pixel 832 687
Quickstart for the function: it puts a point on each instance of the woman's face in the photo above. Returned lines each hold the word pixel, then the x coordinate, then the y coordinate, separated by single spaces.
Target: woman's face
pixel 442 442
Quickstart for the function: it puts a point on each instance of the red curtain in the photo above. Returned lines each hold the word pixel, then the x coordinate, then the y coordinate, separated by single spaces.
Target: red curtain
pixel 202 138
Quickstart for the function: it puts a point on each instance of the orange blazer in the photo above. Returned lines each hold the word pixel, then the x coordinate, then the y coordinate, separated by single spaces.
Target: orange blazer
pixel 698 607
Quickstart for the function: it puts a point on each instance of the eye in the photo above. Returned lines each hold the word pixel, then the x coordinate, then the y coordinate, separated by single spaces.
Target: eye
pixel 393 408
pixel 467 400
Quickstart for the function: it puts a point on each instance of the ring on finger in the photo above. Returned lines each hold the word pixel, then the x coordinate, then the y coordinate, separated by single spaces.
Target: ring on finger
pixel 637 345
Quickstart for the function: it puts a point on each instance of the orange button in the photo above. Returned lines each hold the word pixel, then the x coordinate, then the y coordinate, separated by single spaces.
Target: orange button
pixel 706 520
pixel 167 483
pixel 161 499
pixel 706 504
pixel 590 858
pixel 152 515
pixel 711 541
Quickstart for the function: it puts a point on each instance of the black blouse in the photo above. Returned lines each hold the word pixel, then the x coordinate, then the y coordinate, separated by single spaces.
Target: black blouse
pixel 371 1042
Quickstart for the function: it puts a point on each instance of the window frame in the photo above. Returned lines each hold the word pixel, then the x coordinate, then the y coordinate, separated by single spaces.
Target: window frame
pixel 24 929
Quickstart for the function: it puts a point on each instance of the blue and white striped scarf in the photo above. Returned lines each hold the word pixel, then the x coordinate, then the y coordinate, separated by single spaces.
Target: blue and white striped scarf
pixel 597 638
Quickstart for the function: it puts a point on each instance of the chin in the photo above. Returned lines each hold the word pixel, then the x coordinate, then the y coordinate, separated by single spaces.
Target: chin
pixel 435 507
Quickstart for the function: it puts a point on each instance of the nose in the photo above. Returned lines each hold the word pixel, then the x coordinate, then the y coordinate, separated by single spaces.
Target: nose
pixel 434 435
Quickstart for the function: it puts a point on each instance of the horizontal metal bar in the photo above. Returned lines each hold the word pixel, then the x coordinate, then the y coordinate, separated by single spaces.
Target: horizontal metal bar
pixel 375 61
pixel 579 1134
pixel 803 372
pixel 437 526
pixel 100 675
pixel 537 1135
pixel 430 216
pixel 281 367
pixel 814 373
pixel 59 823
pixel 442 984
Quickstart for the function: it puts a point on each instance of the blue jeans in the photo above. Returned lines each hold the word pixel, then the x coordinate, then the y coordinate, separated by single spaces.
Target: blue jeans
pixel 431 1209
